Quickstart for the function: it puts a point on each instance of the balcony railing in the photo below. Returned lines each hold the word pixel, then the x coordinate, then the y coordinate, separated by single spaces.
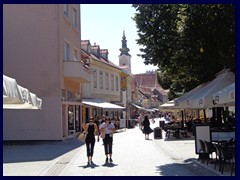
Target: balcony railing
pixel 71 96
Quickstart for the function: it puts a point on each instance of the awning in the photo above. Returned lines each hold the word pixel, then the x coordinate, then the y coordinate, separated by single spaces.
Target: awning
pixel 142 108
pixel 204 97
pixel 150 110
pixel 101 103
pixel 139 107
pixel 18 97
pixel 182 101
pixel 225 96
pixel 168 105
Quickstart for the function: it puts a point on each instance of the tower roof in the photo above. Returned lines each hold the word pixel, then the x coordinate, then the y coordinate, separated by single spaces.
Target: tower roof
pixel 124 49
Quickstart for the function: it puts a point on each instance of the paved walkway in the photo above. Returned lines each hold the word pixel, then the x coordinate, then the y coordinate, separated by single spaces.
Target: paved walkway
pixel 132 156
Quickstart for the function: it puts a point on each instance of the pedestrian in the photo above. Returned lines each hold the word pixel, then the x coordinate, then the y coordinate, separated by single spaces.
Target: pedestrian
pixel 101 121
pixel 90 129
pixel 146 127
pixel 107 128
pixel 141 121
pixel 96 121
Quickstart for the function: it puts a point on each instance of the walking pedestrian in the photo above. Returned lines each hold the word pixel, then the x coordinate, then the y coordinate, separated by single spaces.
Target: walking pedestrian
pixel 107 128
pixel 101 121
pixel 90 129
pixel 146 127
pixel 96 121
pixel 141 121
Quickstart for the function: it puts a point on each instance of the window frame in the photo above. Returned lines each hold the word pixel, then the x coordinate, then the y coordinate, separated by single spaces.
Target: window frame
pixel 74 18
pixel 94 78
pixel 67 52
pixel 100 79
pixel 75 56
pixel 107 80
pixel 66 9
pixel 112 82
pixel 116 82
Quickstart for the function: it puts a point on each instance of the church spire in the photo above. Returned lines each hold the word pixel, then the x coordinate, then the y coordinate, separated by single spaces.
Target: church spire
pixel 124 49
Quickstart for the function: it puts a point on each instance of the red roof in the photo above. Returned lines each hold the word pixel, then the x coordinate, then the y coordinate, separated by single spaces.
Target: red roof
pixel 149 80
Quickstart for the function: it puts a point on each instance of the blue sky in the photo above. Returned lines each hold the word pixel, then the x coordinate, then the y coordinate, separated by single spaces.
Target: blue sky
pixel 103 24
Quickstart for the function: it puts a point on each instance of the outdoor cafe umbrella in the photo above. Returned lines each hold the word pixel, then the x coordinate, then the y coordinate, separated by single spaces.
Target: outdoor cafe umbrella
pixel 204 97
pixel 18 97
pixel 225 96
pixel 182 101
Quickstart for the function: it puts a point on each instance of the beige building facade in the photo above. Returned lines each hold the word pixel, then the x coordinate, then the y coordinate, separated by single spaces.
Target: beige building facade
pixel 42 50
pixel 105 80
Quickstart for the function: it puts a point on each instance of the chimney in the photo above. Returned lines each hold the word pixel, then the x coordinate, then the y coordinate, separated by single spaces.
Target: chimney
pixel 104 54
pixel 96 50
pixel 86 46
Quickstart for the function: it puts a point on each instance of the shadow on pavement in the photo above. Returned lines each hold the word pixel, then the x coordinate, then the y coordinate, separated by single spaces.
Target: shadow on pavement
pixel 109 164
pixel 187 168
pixel 26 151
pixel 182 138
pixel 93 165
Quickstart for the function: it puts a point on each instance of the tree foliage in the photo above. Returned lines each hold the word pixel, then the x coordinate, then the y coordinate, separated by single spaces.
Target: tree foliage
pixel 189 43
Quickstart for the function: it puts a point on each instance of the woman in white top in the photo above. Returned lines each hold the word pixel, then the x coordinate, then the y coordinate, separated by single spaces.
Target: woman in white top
pixel 107 128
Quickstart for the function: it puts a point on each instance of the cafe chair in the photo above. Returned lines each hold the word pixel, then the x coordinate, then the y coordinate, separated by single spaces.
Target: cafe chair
pixel 233 161
pixel 226 156
pixel 202 151
pixel 218 156
pixel 209 149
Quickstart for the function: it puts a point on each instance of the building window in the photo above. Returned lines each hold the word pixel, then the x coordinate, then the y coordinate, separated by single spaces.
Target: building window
pixel 101 80
pixel 112 82
pixel 116 81
pixel 66 9
pixel 94 78
pixel 107 81
pixel 75 58
pixel 66 51
pixel 74 17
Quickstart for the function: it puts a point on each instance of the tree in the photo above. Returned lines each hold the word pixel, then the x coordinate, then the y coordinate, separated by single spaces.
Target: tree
pixel 189 43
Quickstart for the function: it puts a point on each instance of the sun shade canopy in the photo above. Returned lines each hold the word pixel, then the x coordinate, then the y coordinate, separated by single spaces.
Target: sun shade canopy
pixel 18 97
pixel 225 96
pixel 101 103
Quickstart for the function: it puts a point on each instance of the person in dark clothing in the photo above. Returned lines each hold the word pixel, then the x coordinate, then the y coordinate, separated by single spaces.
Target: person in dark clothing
pixel 90 129
pixel 146 127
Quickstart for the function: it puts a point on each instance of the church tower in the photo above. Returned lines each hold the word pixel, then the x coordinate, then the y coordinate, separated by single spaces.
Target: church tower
pixel 125 57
